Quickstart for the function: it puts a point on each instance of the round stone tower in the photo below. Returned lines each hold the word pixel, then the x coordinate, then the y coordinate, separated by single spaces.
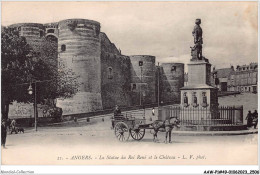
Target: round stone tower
pixel 143 74
pixel 172 79
pixel 79 49
pixel 33 32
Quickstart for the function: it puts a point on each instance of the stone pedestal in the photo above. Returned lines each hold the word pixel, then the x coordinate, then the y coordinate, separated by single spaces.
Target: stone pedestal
pixel 198 94
pixel 199 72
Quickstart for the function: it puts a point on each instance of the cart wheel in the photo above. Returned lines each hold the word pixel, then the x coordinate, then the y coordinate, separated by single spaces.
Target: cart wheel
pixel 122 131
pixel 137 134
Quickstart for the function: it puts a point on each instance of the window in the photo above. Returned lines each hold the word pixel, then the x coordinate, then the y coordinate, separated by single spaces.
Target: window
pixel 204 99
pixel 185 99
pixel 194 99
pixel 63 47
pixel 110 73
pixel 41 33
pixel 133 87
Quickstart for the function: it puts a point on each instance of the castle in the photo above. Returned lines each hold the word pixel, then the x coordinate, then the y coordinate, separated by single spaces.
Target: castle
pixel 107 76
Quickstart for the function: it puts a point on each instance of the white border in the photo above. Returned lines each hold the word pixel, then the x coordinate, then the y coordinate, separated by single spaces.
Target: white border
pixel 103 169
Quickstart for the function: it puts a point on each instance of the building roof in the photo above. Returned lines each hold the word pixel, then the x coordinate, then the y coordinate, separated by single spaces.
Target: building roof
pixel 251 66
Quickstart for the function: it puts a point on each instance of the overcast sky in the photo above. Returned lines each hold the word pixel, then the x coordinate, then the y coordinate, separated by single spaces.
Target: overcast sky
pixel 162 29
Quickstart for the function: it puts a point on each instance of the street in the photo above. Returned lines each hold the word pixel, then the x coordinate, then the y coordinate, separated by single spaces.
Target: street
pixel 94 142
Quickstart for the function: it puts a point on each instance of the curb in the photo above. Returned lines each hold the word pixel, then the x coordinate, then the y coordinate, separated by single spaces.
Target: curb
pixel 215 133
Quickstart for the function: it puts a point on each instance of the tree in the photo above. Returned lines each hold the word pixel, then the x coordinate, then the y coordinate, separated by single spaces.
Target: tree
pixel 14 67
pixel 22 63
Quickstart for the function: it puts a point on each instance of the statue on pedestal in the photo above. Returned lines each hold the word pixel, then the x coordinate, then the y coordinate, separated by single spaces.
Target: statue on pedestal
pixel 196 50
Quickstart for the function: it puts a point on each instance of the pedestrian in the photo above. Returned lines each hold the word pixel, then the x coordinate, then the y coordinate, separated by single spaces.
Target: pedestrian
pixel 168 130
pixel 153 111
pixel 249 119
pixel 255 118
pixel 3 133
pixel 13 126
pixel 8 124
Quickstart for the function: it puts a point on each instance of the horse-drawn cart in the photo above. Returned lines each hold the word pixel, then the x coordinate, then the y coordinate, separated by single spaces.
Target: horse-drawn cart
pixel 126 125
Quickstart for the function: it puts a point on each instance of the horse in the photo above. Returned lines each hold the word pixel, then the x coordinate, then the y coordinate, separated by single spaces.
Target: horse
pixel 164 126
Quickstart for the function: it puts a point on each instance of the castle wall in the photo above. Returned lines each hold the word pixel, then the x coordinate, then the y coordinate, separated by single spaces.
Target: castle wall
pixel 143 79
pixel 79 49
pixel 115 75
pixel 51 31
pixel 172 79
pixel 107 77
pixel 107 46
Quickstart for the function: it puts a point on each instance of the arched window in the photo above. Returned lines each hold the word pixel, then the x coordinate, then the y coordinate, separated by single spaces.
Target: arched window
pixel 52 38
pixel 185 100
pixel 110 73
pixel 194 99
pixel 204 99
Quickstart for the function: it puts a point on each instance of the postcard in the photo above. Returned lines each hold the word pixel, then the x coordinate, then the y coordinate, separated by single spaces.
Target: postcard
pixel 129 83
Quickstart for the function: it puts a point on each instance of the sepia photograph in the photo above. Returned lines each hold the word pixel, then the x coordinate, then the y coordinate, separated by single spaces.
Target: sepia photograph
pixel 129 83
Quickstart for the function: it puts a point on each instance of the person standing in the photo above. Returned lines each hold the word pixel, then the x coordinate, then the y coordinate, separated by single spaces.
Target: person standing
pixel 255 118
pixel 153 111
pixel 249 119
pixel 13 127
pixel 3 133
pixel 168 130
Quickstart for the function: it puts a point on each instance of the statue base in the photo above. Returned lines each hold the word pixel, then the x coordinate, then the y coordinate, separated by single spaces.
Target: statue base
pixel 206 103
pixel 199 95
pixel 203 59
pixel 199 72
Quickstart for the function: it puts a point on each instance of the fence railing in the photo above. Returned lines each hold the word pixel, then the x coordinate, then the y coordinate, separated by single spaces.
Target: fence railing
pixel 222 115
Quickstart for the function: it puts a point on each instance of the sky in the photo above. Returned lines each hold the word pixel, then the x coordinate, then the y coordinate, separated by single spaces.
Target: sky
pixel 161 29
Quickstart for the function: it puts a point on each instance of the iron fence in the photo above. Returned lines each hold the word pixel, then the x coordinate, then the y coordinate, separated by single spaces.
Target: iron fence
pixel 222 115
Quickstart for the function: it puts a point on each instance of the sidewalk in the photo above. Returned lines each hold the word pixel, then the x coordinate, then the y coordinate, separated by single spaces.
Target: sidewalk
pixel 215 133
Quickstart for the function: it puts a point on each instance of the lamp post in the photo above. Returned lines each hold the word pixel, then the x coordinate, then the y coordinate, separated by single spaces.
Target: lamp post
pixel 158 100
pixel 143 94
pixel 30 92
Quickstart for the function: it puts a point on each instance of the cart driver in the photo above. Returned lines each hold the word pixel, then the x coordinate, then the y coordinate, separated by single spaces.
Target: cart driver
pixel 117 111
